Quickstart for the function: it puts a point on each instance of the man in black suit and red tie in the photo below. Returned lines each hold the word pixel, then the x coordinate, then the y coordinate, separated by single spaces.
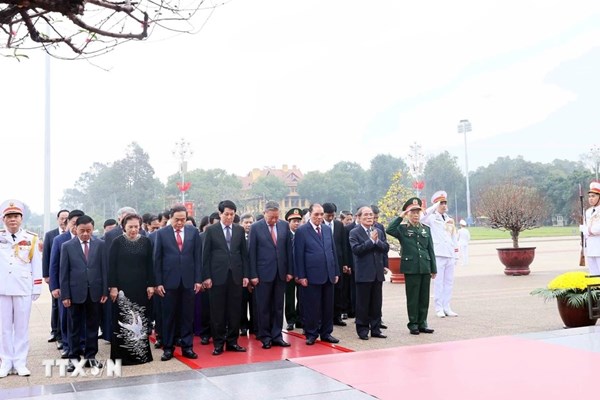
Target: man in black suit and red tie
pixel 270 253
pixel 177 269
pixel 317 271
pixel 369 245
pixel 225 273
pixel 83 288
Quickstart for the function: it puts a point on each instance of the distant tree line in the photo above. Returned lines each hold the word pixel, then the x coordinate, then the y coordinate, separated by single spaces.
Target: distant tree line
pixel 131 181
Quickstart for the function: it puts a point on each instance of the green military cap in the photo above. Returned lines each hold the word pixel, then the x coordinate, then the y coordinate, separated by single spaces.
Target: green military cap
pixel 293 213
pixel 413 203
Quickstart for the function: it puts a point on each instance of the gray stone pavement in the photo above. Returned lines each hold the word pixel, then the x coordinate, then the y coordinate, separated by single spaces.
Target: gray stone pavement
pixel 488 302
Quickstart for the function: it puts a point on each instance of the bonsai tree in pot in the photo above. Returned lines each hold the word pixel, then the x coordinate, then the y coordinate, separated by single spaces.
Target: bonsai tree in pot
pixel 514 208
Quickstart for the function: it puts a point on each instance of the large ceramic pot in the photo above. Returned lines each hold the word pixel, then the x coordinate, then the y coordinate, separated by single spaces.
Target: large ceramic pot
pixel 574 317
pixel 516 260
pixel 394 266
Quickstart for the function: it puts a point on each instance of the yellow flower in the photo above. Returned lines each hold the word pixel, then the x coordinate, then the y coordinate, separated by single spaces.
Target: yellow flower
pixel 572 280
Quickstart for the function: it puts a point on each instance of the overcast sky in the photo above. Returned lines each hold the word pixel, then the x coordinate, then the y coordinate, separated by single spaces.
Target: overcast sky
pixel 312 83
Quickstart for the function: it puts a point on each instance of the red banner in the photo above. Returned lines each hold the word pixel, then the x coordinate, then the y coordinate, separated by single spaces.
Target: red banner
pixel 184 187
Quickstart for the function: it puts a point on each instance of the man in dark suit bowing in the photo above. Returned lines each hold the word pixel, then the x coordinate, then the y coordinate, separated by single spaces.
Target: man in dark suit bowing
pixel 61 218
pixel 368 245
pixel 83 288
pixel 177 265
pixel 270 253
pixel 225 272
pixel 317 270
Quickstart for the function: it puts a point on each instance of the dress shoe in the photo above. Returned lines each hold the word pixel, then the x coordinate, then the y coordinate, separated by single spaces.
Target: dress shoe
pixel 93 363
pixel 235 347
pixel 329 339
pixel 64 354
pixel 379 335
pixel 23 371
pixel 4 372
pixel 243 332
pixel 167 355
pixel 280 343
pixel 204 340
pixel 59 346
pixel 441 314
pixel 414 331
pixel 158 344
pixel 189 353
pixel 290 327
pixel 266 345
pixel 310 341
pixel 52 339
pixel 450 313
pixel 217 351
pixel 363 337
pixel 426 330
pixel 383 326
pixel 70 366
pixel 344 316
pixel 338 321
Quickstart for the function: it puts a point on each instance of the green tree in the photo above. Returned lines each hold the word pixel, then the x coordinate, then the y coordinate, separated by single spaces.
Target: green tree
pixel 380 174
pixel 269 187
pixel 443 173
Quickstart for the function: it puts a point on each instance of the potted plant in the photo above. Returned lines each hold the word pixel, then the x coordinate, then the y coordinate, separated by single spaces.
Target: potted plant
pixel 570 291
pixel 513 208
pixel 390 206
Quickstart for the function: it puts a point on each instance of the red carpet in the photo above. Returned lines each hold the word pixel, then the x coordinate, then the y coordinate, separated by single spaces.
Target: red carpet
pixel 497 368
pixel 255 353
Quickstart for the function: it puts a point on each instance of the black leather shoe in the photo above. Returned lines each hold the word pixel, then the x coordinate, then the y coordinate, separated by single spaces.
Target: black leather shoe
pixel 426 330
pixel 235 347
pixel 243 332
pixel 266 345
pixel 93 363
pixel 329 339
pixel 217 351
pixel 338 321
pixel 363 337
pixel 167 355
pixel 378 335
pixel 414 331
pixel 310 341
pixel 383 326
pixel 52 339
pixel 298 325
pixel 70 366
pixel 158 344
pixel 204 340
pixel 290 327
pixel 64 354
pixel 189 353
pixel 59 346
pixel 280 343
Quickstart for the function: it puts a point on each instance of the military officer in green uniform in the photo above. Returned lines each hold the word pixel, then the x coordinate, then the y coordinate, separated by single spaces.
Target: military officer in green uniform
pixel 417 262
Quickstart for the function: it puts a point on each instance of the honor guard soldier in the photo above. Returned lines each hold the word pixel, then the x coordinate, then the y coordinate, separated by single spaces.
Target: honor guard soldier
pixel 591 229
pixel 20 284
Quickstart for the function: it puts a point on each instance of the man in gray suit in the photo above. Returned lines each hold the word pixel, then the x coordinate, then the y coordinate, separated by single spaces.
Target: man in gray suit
pixel 83 288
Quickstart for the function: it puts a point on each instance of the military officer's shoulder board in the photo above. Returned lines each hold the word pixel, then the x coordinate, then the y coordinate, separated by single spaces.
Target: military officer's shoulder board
pixel 31 233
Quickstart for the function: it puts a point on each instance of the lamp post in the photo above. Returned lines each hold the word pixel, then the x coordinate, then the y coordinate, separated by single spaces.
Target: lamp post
pixel 464 126
pixel 182 152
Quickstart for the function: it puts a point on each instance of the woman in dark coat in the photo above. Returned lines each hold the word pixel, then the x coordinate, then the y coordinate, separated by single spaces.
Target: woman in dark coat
pixel 131 283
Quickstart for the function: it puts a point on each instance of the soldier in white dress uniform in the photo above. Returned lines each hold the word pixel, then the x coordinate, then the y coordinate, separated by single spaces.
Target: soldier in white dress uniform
pixel 20 284
pixel 464 236
pixel 444 247
pixel 591 229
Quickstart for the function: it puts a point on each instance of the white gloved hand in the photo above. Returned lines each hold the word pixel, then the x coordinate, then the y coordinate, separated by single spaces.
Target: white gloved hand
pixel 34 297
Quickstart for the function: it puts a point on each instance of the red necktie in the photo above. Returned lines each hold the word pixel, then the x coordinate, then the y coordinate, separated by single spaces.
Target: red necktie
pixel 272 229
pixel 86 250
pixel 179 241
pixel 319 231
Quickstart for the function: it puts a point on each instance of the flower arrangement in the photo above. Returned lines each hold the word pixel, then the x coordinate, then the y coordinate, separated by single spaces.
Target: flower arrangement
pixel 572 287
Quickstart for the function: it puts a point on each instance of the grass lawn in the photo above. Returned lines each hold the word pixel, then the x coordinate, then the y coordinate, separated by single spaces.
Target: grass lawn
pixel 479 233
